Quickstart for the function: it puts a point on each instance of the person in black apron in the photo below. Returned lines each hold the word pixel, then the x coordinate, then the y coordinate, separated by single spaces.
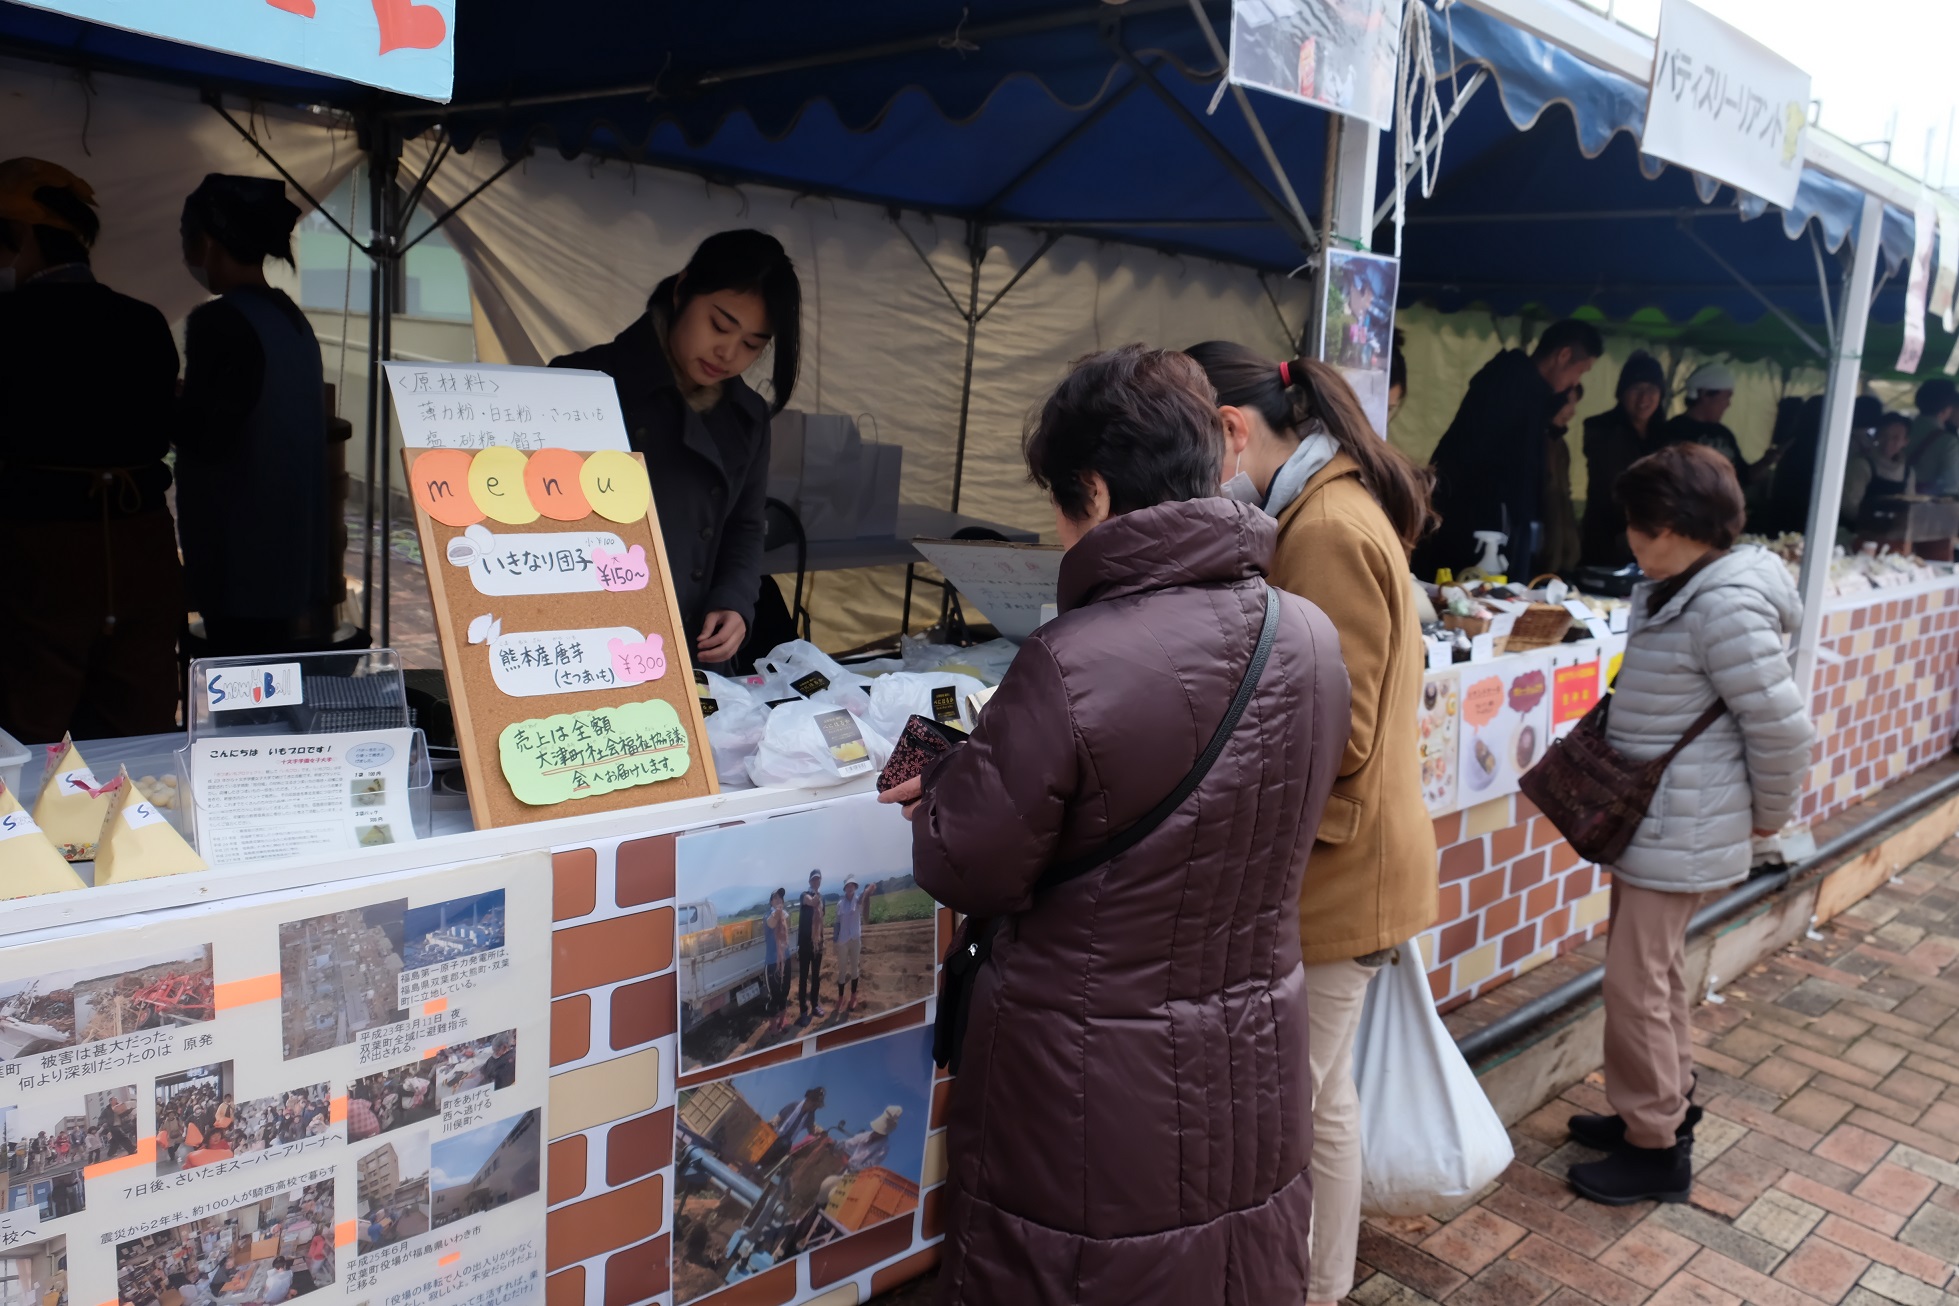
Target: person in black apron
pixel 88 628
pixel 705 434
pixel 251 433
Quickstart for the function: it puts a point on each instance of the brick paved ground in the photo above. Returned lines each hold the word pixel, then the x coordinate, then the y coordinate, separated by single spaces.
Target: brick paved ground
pixel 1827 1169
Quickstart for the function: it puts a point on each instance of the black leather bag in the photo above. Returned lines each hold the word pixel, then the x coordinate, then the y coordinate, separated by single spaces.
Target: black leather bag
pixel 972 946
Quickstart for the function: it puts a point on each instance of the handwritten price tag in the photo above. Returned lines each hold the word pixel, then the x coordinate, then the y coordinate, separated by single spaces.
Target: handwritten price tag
pixel 637 663
pixel 619 572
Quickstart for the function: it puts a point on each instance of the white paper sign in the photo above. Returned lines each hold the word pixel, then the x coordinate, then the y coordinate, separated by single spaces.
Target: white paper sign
pixel 267 796
pixel 1010 583
pixel 477 405
pixel 1482 648
pixel 553 562
pixel 1726 105
pixel 532 663
pixel 276 684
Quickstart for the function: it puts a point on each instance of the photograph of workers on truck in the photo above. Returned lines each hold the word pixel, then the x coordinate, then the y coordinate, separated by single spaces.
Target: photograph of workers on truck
pixel 795 925
pixel 774 1162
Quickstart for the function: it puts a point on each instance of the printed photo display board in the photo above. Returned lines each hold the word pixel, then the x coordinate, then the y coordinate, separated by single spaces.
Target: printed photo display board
pixel 335 1093
pixel 566 660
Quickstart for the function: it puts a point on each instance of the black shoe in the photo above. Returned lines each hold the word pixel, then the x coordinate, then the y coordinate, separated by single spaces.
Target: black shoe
pixel 1637 1174
pixel 1605 1133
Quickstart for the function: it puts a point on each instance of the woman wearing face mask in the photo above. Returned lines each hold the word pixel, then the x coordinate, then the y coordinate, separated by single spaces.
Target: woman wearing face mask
pixel 1614 441
pixel 251 432
pixel 1350 508
pixel 705 434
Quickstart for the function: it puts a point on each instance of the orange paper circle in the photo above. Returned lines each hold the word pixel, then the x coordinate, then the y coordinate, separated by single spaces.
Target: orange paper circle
pixel 496 482
pixel 439 481
pixel 551 478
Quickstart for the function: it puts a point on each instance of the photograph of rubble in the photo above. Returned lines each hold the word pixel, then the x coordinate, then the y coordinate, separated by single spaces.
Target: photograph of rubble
pixel 449 931
pixel 44 1013
pixel 339 974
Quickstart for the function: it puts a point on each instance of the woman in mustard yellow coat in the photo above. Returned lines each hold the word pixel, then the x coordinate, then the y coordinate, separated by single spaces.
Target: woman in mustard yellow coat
pixel 1350 507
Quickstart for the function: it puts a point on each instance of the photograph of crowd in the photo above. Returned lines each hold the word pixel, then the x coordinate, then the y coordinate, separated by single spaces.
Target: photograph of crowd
pixel 774 1162
pixel 339 974
pixel 487 1167
pixel 391 1099
pixel 393 1197
pixel 48 1012
pixel 46 1149
pixel 797 924
pixel 35 1273
pixel 446 931
pixel 200 1121
pixel 485 1062
pixel 257 1254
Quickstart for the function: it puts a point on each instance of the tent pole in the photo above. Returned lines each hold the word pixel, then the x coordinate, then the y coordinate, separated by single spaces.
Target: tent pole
pixel 991 206
pixel 376 178
pixel 1826 492
pixel 1768 303
pixel 385 161
pixel 976 252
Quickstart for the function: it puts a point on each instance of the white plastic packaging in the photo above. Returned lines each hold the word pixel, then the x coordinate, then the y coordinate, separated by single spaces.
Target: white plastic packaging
pixel 898 696
pixel 794 752
pixel 1429 1138
pixel 735 730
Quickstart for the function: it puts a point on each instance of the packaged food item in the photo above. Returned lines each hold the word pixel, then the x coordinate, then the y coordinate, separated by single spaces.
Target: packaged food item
pixel 73 804
pixel 29 863
pixel 138 842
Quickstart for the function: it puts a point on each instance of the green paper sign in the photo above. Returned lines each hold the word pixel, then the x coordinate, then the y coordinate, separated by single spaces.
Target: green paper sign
pixel 554 759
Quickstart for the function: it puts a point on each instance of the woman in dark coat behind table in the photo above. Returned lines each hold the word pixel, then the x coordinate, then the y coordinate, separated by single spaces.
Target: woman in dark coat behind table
pixel 1614 441
pixel 1132 1120
pixel 705 434
pixel 251 432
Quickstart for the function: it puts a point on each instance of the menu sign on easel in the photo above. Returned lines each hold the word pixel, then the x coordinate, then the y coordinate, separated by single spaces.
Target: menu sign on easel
pixel 563 647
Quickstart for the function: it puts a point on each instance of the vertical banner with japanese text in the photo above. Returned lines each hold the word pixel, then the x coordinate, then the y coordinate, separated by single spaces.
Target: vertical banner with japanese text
pixel 1726 105
pixel 337 1090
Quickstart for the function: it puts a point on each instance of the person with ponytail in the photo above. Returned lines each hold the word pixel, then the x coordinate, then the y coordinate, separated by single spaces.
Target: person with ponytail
pixel 705 434
pixel 251 432
pixel 1350 508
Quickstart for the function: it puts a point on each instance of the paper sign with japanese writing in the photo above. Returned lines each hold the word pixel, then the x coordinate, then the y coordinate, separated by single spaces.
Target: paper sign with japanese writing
pixel 336 1095
pixel 1724 104
pixel 1009 583
pixel 398 45
pixel 260 797
pixel 483 405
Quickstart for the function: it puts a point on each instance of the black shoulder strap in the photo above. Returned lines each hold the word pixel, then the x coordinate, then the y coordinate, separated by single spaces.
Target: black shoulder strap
pixel 1135 834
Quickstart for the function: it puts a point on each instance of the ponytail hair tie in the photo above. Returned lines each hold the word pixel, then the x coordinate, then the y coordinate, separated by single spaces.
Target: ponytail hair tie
pixel 1285 375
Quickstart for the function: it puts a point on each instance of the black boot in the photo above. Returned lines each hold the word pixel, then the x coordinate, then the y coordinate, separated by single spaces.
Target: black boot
pixel 1637 1174
pixel 1603 1133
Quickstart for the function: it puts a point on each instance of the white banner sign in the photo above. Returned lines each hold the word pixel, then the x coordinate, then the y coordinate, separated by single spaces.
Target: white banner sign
pixel 1726 105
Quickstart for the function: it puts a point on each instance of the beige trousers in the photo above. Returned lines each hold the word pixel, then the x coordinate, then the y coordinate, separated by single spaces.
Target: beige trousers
pixel 1334 993
pixel 1649 1044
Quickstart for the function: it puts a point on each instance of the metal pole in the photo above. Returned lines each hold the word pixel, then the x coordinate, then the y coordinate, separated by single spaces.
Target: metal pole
pixel 377 179
pixel 1826 492
pixel 976 251
pixel 388 258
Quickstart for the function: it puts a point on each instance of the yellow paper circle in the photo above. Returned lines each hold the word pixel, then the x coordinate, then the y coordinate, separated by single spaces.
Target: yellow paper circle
pixel 616 485
pixel 496 483
pixel 551 478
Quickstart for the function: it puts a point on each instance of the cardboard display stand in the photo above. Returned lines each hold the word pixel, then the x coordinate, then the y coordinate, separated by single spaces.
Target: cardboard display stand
pixel 564 651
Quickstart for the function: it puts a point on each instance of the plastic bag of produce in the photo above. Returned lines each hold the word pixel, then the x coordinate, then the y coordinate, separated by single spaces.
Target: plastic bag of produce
pixel 734 728
pixel 801 669
pixel 938 696
pixel 813 744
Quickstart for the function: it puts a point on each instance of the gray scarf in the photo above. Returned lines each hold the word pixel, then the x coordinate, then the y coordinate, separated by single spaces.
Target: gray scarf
pixel 1312 455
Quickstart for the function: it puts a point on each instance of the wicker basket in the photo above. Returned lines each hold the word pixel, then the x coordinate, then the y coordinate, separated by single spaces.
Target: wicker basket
pixel 1539 626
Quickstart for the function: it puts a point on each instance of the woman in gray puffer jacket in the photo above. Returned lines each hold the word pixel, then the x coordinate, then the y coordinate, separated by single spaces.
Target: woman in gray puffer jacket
pixel 1707 629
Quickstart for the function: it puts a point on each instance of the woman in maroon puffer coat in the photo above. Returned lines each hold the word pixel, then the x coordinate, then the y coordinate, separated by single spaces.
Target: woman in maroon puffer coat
pixel 1132 1120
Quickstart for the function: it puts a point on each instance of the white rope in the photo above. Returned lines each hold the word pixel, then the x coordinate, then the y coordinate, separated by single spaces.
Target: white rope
pixel 1417 106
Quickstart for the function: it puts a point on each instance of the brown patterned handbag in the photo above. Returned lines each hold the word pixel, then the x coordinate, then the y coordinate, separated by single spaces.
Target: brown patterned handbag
pixel 1594 794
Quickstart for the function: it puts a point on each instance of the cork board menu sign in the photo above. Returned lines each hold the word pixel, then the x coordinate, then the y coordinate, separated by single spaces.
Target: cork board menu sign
pixel 565 655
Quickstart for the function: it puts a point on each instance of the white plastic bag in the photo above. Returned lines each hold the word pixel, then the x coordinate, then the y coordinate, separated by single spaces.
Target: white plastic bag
pixel 895 698
pixel 799 668
pixel 1429 1137
pixel 794 752
pixel 735 729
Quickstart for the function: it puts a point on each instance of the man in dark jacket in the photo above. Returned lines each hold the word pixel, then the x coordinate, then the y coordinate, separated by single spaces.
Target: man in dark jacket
pixel 1490 465
pixel 88 636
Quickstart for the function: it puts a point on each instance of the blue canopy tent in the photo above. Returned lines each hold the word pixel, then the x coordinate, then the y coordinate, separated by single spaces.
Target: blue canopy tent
pixel 1073 117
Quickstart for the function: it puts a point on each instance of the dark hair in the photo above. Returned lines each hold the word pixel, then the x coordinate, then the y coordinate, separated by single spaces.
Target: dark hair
pixel 755 263
pixel 1641 369
pixel 59 245
pixel 1398 365
pixel 1145 419
pixel 1893 419
pixel 1937 395
pixel 1687 489
pixel 1306 391
pixel 249 218
pixel 1865 412
pixel 1581 338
